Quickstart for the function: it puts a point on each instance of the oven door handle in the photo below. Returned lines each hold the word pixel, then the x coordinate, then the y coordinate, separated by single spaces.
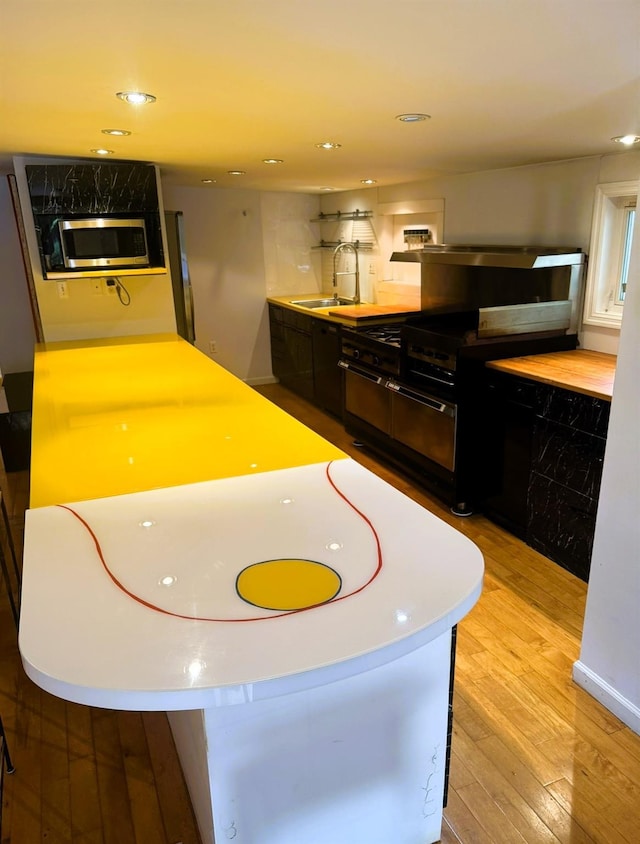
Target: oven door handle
pixel 439 406
pixel 449 382
pixel 377 379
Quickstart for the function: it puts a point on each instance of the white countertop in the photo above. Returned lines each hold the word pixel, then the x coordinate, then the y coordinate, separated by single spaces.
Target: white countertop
pixel 124 614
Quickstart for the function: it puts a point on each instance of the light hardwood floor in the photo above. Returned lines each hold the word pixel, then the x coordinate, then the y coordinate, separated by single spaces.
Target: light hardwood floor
pixel 535 759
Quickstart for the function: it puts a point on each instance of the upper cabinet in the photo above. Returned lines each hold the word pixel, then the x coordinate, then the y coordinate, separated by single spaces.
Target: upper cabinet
pixel 63 193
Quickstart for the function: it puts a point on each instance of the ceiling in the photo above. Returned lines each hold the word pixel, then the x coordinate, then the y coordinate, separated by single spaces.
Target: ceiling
pixel 506 83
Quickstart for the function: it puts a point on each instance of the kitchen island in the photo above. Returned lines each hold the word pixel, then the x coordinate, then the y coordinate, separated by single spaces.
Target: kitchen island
pixel 192 548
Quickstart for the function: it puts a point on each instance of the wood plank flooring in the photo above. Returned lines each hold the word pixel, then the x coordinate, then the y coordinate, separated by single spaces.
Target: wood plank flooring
pixel 535 759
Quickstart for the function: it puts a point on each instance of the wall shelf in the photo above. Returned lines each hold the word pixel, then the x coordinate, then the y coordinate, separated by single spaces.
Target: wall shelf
pixel 338 216
pixel 333 244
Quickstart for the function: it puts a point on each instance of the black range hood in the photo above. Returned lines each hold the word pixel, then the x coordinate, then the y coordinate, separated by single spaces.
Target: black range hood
pixel 515 257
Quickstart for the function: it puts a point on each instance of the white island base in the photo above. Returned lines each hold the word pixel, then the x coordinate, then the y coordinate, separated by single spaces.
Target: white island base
pixel 357 761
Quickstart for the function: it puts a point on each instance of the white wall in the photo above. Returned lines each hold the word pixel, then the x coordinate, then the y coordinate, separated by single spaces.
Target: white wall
pixel 17 335
pixel 609 665
pixel 292 259
pixel 242 246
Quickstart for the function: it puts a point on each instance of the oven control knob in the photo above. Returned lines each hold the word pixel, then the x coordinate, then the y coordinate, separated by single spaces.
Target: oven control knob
pixel 356 353
pixel 375 360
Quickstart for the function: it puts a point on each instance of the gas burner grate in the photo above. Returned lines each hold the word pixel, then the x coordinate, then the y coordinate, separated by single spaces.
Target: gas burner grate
pixel 384 333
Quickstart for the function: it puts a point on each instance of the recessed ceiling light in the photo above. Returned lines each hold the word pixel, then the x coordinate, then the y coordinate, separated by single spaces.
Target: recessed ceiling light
pixel 328 145
pixel 103 151
pixel 236 172
pixel 627 140
pixel 412 118
pixel 272 161
pixel 327 188
pixel 135 97
pixel 368 181
pixel 118 132
pixel 208 181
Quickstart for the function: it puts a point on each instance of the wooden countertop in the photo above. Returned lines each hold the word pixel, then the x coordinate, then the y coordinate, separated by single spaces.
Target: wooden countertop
pixel 346 314
pixel 581 371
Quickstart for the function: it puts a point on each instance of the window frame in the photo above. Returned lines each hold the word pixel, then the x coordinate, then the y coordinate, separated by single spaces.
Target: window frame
pixel 602 306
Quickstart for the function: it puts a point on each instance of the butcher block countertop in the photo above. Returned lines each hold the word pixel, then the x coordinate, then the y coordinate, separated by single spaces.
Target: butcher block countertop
pixel 580 370
pixel 352 315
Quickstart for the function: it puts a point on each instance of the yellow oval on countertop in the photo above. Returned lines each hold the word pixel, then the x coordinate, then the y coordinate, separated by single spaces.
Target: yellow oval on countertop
pixel 287 585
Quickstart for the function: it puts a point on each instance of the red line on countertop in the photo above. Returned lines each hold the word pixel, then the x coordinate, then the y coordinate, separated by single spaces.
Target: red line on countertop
pixel 156 608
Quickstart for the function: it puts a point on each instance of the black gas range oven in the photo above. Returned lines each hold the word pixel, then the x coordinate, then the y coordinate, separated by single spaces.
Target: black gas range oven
pixel 413 392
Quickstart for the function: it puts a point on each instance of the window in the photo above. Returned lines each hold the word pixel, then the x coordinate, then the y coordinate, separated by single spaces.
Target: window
pixel 611 237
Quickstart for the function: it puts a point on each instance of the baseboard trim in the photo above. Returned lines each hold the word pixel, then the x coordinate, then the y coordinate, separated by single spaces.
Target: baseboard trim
pixel 598 688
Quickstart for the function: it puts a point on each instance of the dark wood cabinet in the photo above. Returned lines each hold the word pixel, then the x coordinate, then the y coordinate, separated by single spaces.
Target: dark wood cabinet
pixel 292 350
pixel 327 375
pixel 304 356
pixel 511 404
pixel 546 451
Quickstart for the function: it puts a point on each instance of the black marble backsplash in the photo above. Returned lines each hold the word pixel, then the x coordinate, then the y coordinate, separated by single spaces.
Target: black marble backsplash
pixel 92 188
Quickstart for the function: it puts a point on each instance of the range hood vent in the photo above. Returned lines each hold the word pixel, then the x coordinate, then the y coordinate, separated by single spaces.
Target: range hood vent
pixel 515 257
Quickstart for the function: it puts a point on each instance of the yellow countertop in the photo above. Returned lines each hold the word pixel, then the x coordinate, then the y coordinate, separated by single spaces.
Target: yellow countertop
pixel 580 370
pixel 130 414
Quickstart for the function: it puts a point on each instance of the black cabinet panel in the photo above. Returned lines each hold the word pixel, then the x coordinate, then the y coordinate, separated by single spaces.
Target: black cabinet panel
pixel 510 445
pixel 575 410
pixel 327 375
pixel 92 189
pixel 545 448
pixel 569 456
pixel 292 351
pixel 561 524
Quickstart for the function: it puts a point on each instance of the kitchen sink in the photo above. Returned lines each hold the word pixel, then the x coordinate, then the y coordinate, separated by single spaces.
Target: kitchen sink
pixel 321 303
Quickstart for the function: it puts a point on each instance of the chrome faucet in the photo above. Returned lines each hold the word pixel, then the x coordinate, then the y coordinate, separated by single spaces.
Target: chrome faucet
pixel 336 252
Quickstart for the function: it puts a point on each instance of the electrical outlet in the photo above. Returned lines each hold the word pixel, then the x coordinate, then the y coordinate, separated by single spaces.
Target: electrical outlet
pixel 213 347
pixel 63 290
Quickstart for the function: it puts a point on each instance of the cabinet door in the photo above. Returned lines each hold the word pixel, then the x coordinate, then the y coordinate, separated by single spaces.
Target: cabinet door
pixel 276 331
pixel 298 363
pixel 292 350
pixel 327 375
pixel 366 398
pixel 509 429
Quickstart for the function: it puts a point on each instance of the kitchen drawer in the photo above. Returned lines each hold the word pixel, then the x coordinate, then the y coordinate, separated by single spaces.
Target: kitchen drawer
pixel 301 322
pixel 429 431
pixel 568 456
pixel 367 399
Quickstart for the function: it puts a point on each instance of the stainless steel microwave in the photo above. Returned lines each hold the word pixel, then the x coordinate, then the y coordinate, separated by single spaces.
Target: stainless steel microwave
pixel 103 243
